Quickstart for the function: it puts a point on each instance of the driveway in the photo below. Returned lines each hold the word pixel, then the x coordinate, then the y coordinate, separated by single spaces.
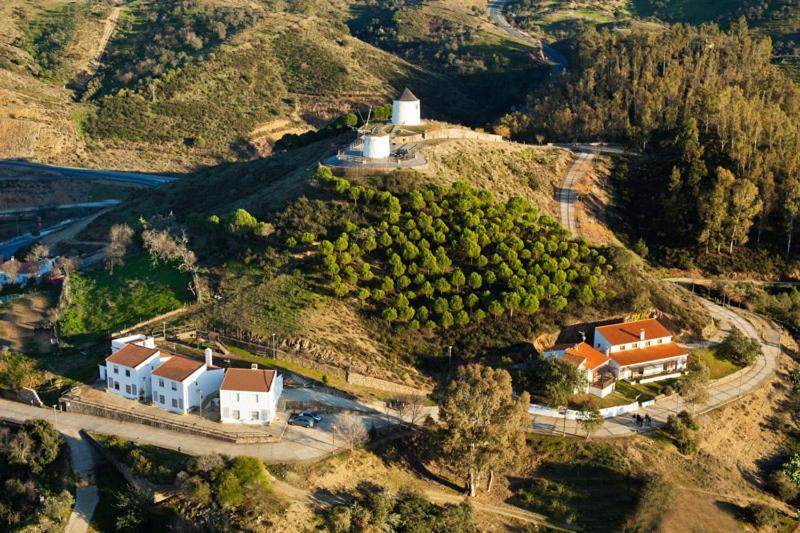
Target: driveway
pixel 497 17
pixel 86 497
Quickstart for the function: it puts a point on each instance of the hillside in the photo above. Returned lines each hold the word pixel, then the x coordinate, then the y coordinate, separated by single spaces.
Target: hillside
pixel 185 85
pixel 274 282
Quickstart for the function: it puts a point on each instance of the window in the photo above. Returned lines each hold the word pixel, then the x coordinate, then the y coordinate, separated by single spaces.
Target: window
pixel 174 402
pixel 133 389
pixel 160 382
pixel 127 389
pixel 180 403
pixel 236 414
pixel 647 343
pixel 116 369
pixel 255 397
pixel 160 398
pixel 174 386
pixel 127 373
pixel 254 415
pixel 110 383
pixel 237 398
pixel 116 385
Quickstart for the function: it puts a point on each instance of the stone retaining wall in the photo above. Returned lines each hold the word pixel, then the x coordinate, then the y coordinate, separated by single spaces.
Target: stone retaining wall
pixel 74 404
pixel 355 378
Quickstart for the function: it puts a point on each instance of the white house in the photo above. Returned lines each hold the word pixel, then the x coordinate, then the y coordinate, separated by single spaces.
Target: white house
pixel 180 384
pixel 25 271
pixel 641 350
pixel 638 351
pixel 595 364
pixel 406 110
pixel 250 396
pixel 128 369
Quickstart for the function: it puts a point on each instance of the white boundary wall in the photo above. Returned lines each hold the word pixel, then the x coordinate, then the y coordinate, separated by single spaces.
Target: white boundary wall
pixel 608 412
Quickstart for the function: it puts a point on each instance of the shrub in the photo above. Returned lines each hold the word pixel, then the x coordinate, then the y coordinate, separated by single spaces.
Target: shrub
pixel 762 515
pixel 782 486
pixel 683 435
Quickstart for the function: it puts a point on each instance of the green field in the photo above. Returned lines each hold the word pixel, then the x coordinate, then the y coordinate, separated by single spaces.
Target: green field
pixel 103 303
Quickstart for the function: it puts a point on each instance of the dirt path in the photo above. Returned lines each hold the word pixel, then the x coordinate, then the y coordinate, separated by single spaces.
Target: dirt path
pixel 88 69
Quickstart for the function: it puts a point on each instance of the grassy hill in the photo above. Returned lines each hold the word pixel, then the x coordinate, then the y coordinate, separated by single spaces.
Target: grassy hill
pixel 267 285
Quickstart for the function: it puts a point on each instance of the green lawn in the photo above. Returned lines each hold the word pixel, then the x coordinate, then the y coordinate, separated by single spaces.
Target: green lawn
pixel 103 303
pixel 719 367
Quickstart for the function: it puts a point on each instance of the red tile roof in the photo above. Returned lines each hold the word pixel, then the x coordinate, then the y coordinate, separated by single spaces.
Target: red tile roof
pixel 628 332
pixel 592 357
pixel 248 379
pixel 177 368
pixel 649 354
pixel 572 358
pixel 131 355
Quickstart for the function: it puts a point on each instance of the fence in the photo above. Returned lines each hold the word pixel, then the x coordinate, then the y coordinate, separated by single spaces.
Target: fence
pixel 74 404
pixel 569 414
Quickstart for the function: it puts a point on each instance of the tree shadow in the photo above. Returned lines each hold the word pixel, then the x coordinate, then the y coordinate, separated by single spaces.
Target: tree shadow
pixel 592 496
pixel 404 452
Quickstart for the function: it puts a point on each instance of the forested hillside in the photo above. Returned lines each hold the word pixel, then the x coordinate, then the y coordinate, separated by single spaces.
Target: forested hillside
pixel 723 121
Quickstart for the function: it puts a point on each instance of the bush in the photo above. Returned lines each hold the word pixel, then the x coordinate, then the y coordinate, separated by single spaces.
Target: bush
pixel 783 487
pixel 762 515
pixel 684 436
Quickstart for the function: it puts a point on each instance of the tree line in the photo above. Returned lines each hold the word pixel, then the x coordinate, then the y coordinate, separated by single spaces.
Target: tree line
pixel 724 121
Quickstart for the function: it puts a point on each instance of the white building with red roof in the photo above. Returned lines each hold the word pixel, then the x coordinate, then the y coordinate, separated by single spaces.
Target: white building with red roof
pixel 250 395
pixel 127 371
pixel 638 351
pixel 181 384
pixel 641 350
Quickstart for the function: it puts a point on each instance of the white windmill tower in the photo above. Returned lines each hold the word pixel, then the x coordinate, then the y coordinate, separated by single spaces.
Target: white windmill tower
pixel 377 142
pixel 406 110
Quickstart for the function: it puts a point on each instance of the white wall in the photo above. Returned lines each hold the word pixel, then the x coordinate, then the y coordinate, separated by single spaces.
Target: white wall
pixel 187 393
pixel 123 385
pixel 265 403
pixel 141 340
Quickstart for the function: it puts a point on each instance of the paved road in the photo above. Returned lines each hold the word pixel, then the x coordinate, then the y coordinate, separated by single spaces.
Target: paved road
pixel 48 171
pixel 496 8
pixel 721 391
pixel 86 497
pixel 79 205
pixel 9 247
pixel 297 445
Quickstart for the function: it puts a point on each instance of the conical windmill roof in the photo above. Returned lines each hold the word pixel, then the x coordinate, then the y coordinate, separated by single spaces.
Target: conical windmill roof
pixel 407 96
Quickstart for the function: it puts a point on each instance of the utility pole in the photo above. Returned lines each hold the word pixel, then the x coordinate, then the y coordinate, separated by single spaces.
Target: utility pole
pixel 274 352
pixel 449 362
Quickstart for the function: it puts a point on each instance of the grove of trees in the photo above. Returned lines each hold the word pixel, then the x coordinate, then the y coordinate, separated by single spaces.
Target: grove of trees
pixel 724 121
pixel 447 257
pixel 34 486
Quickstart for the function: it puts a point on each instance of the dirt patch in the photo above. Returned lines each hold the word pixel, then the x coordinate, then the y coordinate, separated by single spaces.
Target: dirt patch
pixel 595 192
pixel 264 136
pixel 693 512
pixel 20 324
pixel 506 169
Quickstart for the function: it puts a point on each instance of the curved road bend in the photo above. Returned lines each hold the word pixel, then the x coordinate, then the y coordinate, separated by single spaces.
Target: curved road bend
pixel 495 10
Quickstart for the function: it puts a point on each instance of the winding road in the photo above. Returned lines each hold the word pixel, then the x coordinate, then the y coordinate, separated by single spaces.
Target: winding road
pixel 495 10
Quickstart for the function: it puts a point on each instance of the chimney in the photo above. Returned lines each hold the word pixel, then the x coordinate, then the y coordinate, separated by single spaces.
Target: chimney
pixel 583 336
pixel 641 334
pixel 209 356
pixel 253 366
pixel 608 350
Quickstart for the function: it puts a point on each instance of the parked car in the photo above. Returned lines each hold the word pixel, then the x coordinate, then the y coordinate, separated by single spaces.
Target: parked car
pixel 304 421
pixel 311 414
